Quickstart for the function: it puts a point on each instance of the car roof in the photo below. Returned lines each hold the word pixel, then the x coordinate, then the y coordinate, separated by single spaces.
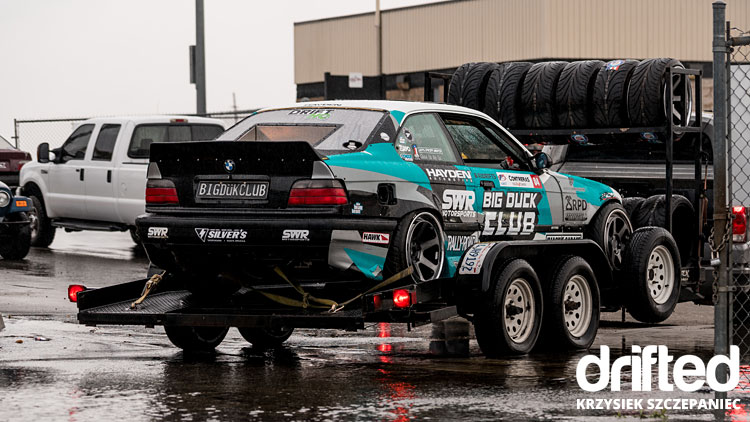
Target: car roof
pixel 405 107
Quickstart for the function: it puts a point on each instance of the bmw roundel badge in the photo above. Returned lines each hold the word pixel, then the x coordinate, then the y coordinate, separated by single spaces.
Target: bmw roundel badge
pixel 229 166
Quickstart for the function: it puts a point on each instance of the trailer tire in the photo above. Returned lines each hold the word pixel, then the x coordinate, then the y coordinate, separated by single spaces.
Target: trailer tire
pixel 610 99
pixel 468 84
pixel 611 230
pixel 572 299
pixel 502 99
pixel 575 89
pixel 538 94
pixel 652 212
pixel 500 333
pixel 646 100
pixel 42 231
pixel 196 339
pixel 632 205
pixel 264 338
pixel 17 248
pixel 652 267
pixel 405 243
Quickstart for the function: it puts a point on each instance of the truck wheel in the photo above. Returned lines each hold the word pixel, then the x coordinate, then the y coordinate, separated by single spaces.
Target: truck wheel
pixel 42 232
pixel 632 205
pixel 609 101
pixel 538 94
pixel 572 297
pixel 196 339
pixel 574 92
pixel 652 212
pixel 510 316
pixel 611 229
pixel 646 93
pixel 468 84
pixel 418 242
pixel 266 338
pixel 503 94
pixel 18 248
pixel 652 268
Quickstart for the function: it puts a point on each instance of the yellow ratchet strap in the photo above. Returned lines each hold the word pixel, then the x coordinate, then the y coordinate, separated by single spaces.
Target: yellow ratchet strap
pixel 150 284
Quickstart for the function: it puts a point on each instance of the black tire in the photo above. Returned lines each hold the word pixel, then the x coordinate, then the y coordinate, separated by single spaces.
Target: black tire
pixel 652 212
pixel 572 287
pixel 42 232
pixel 403 252
pixel 610 99
pixel 196 339
pixel 611 229
pixel 468 84
pixel 265 338
pixel 135 236
pixel 649 299
pixel 492 323
pixel 646 102
pixel 538 94
pixel 575 89
pixel 632 205
pixel 502 99
pixel 18 247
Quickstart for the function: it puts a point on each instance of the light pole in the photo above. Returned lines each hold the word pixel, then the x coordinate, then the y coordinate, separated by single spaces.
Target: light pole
pixel 200 59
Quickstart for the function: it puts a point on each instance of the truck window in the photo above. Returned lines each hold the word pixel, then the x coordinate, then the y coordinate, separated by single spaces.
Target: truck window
pixel 105 142
pixel 146 134
pixel 75 147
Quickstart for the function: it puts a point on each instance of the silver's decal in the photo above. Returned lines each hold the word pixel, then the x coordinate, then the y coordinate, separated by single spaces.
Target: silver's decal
pixel 221 235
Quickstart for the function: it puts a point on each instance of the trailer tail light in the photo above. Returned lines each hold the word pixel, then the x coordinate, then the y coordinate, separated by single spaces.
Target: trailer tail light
pixel 739 224
pixel 401 298
pixel 73 291
pixel 318 192
pixel 161 192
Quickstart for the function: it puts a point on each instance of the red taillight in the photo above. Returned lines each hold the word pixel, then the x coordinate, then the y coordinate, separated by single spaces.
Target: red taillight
pixel 20 165
pixel 162 192
pixel 318 192
pixel 73 291
pixel 739 224
pixel 401 298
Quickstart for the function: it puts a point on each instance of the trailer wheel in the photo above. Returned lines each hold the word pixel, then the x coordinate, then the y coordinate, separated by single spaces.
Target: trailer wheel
pixel 572 298
pixel 653 212
pixel 266 338
pixel 574 92
pixel 610 93
pixel 418 242
pixel 611 229
pixel 510 316
pixel 18 247
pixel 652 268
pixel 468 84
pixel 196 339
pixel 503 94
pixel 538 94
pixel 42 231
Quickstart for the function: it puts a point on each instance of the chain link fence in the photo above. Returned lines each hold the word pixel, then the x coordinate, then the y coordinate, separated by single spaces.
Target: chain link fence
pixel 30 133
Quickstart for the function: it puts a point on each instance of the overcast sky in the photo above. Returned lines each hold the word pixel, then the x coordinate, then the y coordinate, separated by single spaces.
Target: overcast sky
pixel 74 58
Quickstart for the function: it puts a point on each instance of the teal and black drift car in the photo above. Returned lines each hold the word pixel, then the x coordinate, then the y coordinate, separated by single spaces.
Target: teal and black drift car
pixel 359 190
pixel 15 224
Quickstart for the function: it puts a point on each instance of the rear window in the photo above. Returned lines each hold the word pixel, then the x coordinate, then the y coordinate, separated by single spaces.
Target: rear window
pixel 145 135
pixel 329 131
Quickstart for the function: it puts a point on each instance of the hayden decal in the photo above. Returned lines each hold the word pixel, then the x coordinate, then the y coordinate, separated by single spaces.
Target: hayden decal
pixel 295 235
pixel 518 180
pixel 221 235
pixel 158 232
pixel 510 213
pixel 473 259
pixel 376 238
pixel 458 203
pixel 448 174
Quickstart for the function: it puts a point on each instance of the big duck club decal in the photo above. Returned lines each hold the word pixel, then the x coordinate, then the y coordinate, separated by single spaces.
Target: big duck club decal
pixel 510 213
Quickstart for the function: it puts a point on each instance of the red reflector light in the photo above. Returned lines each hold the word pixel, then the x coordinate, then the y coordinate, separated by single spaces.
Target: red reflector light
pixel 318 192
pixel 73 291
pixel 401 298
pixel 739 224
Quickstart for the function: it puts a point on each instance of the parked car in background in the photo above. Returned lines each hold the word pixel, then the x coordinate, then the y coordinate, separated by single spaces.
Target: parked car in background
pixel 15 230
pixel 97 179
pixel 11 161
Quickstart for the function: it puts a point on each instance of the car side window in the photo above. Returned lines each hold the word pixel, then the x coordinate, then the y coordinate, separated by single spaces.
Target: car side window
pixel 422 138
pixel 75 147
pixel 477 141
pixel 105 143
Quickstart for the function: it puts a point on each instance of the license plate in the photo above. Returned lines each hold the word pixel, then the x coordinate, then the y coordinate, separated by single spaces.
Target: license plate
pixel 232 190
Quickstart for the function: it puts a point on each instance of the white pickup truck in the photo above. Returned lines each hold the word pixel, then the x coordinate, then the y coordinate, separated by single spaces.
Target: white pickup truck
pixel 97 179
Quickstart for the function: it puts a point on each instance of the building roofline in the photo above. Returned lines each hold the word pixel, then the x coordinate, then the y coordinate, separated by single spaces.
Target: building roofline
pixel 397 9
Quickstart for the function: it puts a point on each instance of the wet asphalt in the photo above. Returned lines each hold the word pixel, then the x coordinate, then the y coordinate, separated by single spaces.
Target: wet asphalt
pixel 54 369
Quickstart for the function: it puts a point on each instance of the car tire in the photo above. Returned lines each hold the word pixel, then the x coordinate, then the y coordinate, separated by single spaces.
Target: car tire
pixel 509 316
pixel 575 89
pixel 502 100
pixel 468 84
pixel 611 230
pixel 135 236
pixel 265 338
pixel 17 248
pixel 571 319
pixel 646 89
pixel 42 231
pixel 632 205
pixel 196 339
pixel 610 99
pixel 652 269
pixel 538 94
pixel 413 232
pixel 652 212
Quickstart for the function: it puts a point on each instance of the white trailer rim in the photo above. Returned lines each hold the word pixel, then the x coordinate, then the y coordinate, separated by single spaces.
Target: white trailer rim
pixel 660 274
pixel 519 310
pixel 577 305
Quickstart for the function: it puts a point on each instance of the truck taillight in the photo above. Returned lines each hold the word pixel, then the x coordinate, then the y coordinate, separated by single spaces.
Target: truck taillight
pixel 20 164
pixel 318 192
pixel 739 224
pixel 161 192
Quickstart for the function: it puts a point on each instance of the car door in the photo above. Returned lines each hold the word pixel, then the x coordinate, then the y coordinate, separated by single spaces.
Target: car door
pixel 101 202
pixel 516 201
pixel 66 188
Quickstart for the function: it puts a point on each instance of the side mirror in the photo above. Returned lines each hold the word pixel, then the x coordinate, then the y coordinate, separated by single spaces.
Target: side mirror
pixel 542 160
pixel 42 153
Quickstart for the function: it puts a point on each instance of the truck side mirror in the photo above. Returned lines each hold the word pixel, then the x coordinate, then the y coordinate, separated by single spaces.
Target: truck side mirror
pixel 542 160
pixel 42 153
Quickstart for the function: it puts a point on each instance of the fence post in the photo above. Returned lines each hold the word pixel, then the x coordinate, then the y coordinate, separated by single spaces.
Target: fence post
pixel 15 132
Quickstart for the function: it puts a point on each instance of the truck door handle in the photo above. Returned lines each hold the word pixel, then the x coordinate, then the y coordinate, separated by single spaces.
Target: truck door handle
pixel 487 184
pixel 81 174
pixel 109 176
